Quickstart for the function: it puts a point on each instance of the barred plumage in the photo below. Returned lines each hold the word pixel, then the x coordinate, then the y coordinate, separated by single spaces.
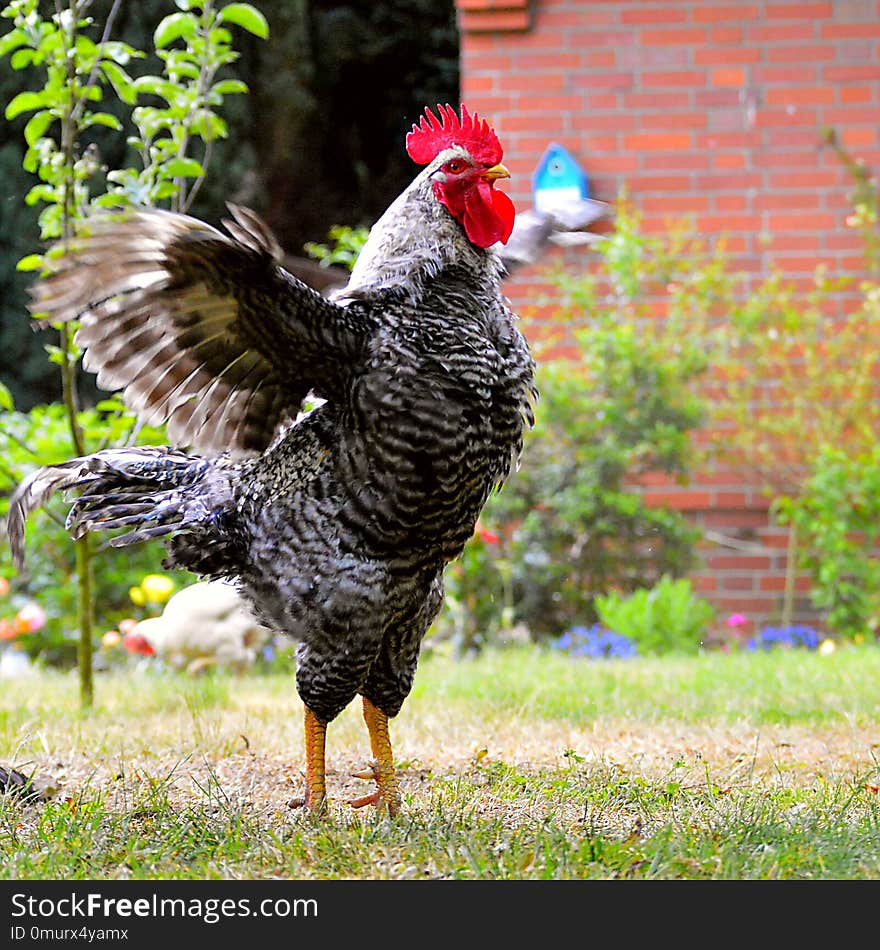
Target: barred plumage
pixel 338 526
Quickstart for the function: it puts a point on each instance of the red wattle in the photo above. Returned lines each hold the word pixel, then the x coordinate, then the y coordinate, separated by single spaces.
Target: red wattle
pixel 488 215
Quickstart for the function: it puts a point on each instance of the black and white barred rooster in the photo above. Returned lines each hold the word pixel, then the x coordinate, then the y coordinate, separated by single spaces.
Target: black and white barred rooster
pixel 337 526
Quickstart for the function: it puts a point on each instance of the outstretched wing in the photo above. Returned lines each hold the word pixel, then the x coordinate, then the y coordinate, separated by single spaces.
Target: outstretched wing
pixel 200 330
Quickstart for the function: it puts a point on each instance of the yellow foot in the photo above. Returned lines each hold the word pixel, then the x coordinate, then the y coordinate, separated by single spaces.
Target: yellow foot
pixel 387 795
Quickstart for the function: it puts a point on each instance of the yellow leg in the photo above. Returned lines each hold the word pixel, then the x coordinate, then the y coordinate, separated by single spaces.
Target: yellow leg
pixel 388 792
pixel 316 787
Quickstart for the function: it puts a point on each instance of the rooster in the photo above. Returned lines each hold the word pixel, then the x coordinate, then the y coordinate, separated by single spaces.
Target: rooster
pixel 335 524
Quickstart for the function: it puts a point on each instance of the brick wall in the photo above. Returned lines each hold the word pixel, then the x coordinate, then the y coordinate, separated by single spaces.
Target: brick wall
pixel 706 109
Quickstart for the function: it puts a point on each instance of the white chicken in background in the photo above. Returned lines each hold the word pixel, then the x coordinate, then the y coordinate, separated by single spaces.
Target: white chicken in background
pixel 205 624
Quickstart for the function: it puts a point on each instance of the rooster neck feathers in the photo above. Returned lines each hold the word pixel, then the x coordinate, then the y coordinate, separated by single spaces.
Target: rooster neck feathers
pixel 451 214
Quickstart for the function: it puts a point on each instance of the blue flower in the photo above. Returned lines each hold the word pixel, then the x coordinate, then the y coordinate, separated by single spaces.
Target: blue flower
pixel 595 642
pixel 797 635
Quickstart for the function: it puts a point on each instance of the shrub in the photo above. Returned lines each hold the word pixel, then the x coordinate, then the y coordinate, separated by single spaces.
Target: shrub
pixel 569 524
pixel 42 436
pixel 837 516
pixel 668 618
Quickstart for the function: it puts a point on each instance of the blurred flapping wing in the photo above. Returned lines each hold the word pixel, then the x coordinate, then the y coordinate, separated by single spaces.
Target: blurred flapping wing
pixel 200 330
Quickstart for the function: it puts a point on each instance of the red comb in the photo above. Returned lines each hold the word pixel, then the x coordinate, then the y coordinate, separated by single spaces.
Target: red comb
pixel 432 135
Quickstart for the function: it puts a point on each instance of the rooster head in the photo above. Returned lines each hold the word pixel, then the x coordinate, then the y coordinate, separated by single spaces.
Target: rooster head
pixel 138 644
pixel 464 156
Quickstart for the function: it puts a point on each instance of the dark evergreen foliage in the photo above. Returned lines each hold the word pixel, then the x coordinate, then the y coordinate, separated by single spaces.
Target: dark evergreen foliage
pixel 317 142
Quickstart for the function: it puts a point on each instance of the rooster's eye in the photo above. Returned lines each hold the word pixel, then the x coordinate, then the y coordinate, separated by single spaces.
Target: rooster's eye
pixel 455 166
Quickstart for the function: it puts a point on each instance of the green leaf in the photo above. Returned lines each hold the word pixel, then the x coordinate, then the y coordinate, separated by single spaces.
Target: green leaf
pixel 22 58
pixel 247 17
pixel 102 118
pixel 41 193
pixel 6 399
pixel 120 81
pixel 228 87
pixel 31 262
pixel 183 168
pixel 173 27
pixel 25 102
pixel 11 41
pixel 155 86
pixel 37 125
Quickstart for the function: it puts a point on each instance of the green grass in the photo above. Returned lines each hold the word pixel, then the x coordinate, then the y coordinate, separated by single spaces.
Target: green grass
pixel 516 765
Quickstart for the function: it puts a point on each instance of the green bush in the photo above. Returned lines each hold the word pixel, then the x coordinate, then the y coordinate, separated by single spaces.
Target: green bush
pixel 42 436
pixel 668 618
pixel 837 516
pixel 569 526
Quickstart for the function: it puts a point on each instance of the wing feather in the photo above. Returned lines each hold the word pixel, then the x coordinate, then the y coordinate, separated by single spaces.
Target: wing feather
pixel 199 329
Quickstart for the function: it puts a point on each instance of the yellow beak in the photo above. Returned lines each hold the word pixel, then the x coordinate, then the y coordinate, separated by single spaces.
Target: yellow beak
pixel 496 171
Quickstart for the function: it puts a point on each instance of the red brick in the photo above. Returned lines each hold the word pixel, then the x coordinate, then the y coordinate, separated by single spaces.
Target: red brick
pixel 703 13
pixel 682 36
pixel 729 160
pixel 868 72
pixel 491 21
pixel 711 55
pixel 676 78
pixel 657 141
pixel 617 80
pixel 491 4
pixel 854 94
pixel 734 182
pixel 674 120
pixel 773 118
pixel 666 14
pixel 678 500
pixel 613 121
pixel 798 53
pixel 770 583
pixel 799 11
pixel 650 102
pixel 481 83
pixel 766 75
pixel 725 34
pixel 816 178
pixel 712 98
pixel 491 64
pixel 714 224
pixel 663 161
pixel 739 562
pixel 850 115
pixel 800 95
pixel 786 201
pixel 601 59
pixel 604 100
pixel 849 30
pixel 800 222
pixel 735 139
pixel 555 104
pixel 771 33
pixel 858 136
pixel 674 204
pixel 582 39
pixel 728 77
pixel 548 60
pixel 617 164
pixel 733 582
pixel 725 204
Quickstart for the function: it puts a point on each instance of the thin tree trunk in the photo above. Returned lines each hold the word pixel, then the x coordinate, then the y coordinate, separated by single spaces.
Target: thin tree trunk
pixel 84 567
pixel 790 575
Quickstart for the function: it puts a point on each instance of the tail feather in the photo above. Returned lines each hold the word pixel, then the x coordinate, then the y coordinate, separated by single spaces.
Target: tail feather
pixel 120 488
